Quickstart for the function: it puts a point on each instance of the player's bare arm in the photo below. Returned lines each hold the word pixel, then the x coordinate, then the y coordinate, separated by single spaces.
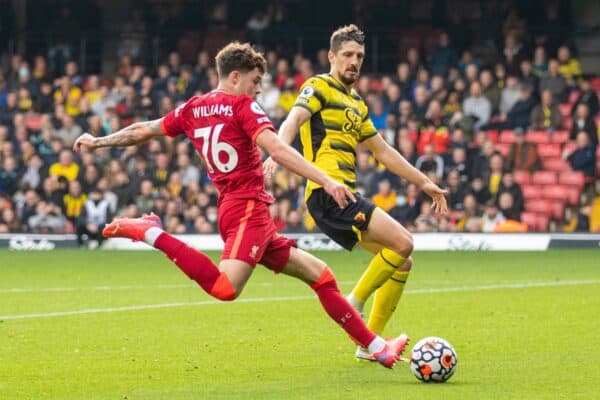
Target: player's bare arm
pixel 394 162
pixel 293 161
pixel 287 132
pixel 133 134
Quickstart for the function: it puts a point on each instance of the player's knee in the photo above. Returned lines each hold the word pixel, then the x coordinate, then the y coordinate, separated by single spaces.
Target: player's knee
pixel 326 277
pixel 407 266
pixel 405 245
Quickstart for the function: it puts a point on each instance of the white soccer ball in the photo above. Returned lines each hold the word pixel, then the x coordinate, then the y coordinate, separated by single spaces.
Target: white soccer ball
pixel 433 360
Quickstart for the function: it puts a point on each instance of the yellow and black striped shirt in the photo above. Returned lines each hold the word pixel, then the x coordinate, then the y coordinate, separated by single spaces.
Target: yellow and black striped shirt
pixel 340 120
pixel 73 205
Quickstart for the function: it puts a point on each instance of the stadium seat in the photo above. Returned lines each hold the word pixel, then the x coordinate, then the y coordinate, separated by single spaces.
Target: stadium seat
pixel 503 148
pixel 538 137
pixel 558 210
pixel 555 192
pixel 540 206
pixel 559 136
pixel 565 109
pixel 567 123
pixel 493 135
pixel 542 223
pixel 507 136
pixel 549 150
pixel 544 178
pixel 531 191
pixel 573 96
pixel 573 178
pixel 570 147
pixel 556 164
pixel 573 194
pixel 535 222
pixel 529 218
pixel 522 177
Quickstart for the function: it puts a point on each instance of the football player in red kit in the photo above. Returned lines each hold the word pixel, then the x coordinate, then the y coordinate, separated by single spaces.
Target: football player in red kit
pixel 225 126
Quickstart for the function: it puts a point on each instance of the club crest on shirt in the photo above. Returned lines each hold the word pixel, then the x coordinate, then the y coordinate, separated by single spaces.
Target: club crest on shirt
pixel 360 217
pixel 254 251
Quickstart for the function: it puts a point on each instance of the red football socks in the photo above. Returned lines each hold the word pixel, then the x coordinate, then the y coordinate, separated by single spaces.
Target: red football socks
pixel 198 266
pixel 340 310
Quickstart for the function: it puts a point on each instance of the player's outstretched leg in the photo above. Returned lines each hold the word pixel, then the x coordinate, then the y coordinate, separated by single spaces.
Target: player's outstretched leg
pixel 321 279
pixel 195 264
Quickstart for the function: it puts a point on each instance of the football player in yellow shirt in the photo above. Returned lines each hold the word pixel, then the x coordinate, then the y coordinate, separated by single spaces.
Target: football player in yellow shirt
pixel 333 119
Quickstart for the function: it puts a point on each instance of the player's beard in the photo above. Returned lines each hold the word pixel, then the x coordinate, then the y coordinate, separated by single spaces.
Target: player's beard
pixel 346 80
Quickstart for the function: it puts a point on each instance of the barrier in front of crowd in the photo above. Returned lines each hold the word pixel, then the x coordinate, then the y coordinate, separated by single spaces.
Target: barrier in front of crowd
pixel 316 241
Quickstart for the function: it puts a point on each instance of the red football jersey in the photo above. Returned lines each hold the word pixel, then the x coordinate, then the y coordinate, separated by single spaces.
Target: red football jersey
pixel 223 129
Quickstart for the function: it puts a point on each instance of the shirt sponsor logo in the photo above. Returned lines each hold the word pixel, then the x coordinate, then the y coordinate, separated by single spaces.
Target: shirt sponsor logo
pixel 353 122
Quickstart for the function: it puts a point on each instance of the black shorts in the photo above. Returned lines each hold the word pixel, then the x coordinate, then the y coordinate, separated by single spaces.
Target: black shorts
pixel 341 225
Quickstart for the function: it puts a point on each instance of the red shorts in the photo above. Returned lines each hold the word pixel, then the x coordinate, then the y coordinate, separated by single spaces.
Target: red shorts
pixel 249 233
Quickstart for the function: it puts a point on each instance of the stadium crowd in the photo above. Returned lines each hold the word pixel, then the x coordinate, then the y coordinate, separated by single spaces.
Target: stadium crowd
pixel 492 131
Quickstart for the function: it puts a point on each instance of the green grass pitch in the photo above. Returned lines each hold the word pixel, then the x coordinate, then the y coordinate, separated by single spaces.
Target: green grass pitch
pixel 129 325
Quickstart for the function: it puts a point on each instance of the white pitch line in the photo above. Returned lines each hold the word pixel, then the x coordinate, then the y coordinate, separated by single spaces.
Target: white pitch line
pixel 514 285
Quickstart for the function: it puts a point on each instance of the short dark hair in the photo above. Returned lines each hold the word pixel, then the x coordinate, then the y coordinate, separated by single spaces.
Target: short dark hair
pixel 241 57
pixel 344 34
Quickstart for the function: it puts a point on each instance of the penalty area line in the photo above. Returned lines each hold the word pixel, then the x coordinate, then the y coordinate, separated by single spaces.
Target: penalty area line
pixel 513 285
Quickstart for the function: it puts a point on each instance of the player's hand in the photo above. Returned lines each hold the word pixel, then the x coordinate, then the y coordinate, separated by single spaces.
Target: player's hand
pixel 269 167
pixel 437 194
pixel 340 193
pixel 84 141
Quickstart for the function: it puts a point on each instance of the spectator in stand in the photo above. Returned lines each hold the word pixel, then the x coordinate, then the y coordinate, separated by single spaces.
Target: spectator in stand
pixel 269 96
pixel 584 122
pixel 508 185
pixel 506 206
pixel 430 161
pixel 65 166
pixel 527 76
pixel 522 155
pixel 519 115
pixel 496 172
pixel 443 57
pixel 385 198
pixel 456 188
pixel 405 113
pixel 73 202
pixel 492 217
pixel 540 62
pixel 569 68
pixel 476 108
pixel 378 114
pixel 69 131
pixel 587 96
pixel 555 82
pixel 546 115
pixel 9 222
pixel 406 146
pixel 513 53
pixel 294 223
pixel 480 190
pixel 413 58
pixel 48 218
pixel 9 175
pixel 95 214
pixel 583 158
pixel 510 95
pixel 421 102
pixel 490 90
pixel 402 78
